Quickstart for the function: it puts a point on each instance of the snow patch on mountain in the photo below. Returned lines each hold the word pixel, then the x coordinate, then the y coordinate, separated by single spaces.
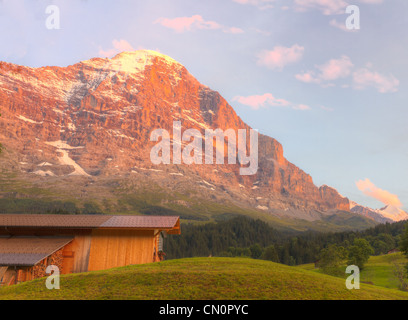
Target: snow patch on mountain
pixel 62 147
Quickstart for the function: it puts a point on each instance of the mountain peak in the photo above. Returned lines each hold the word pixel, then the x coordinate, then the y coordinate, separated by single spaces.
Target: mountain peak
pixel 94 120
pixel 143 54
pixel 389 212
pixel 131 62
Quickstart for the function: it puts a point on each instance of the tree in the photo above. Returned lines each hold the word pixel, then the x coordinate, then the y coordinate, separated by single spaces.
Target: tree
pixel 256 251
pixel 404 242
pixel 270 254
pixel 401 274
pixel 331 259
pixel 359 253
pixel 404 246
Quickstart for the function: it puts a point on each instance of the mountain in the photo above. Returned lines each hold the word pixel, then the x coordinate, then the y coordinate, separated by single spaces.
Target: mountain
pixel 387 214
pixel 82 133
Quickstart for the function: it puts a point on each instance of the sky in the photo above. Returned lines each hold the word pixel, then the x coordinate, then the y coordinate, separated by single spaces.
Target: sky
pixel 335 97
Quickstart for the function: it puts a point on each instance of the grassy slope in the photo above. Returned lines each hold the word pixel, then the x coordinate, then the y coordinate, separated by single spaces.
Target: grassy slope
pixel 20 193
pixel 200 278
pixel 377 271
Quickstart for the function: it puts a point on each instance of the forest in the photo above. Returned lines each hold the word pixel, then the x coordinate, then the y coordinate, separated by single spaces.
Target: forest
pixel 245 237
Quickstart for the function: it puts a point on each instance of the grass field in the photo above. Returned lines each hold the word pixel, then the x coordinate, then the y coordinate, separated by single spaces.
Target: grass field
pixel 201 279
pixel 379 270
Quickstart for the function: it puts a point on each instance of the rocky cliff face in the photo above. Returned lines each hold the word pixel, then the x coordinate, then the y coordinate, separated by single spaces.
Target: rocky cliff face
pixel 94 120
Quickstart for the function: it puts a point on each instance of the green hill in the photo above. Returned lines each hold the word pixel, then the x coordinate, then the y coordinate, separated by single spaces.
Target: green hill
pixel 379 270
pixel 198 279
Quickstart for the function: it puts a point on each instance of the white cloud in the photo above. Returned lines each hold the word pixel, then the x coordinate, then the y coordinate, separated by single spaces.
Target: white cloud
pixel 280 56
pixel 261 4
pixel 342 68
pixel 341 25
pixel 195 22
pixel 327 7
pixel 268 100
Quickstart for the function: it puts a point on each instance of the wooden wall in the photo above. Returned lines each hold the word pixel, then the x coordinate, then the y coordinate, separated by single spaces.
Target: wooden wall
pixel 76 255
pixel 117 248
pixel 97 249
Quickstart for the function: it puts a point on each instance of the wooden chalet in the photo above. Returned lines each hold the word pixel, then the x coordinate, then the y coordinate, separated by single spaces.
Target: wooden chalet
pixel 78 243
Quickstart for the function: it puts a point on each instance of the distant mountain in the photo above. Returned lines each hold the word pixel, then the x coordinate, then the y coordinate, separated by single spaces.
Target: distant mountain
pixel 387 214
pixel 82 133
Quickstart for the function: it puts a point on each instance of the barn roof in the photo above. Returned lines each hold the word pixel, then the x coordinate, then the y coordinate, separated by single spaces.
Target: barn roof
pixel 168 223
pixel 28 251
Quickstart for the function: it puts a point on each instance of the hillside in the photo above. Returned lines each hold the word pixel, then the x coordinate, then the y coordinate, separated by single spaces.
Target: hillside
pixel 201 278
pixel 379 270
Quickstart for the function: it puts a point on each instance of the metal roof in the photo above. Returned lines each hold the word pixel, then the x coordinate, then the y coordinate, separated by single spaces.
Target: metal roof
pixel 28 251
pixel 156 222
pixel 88 221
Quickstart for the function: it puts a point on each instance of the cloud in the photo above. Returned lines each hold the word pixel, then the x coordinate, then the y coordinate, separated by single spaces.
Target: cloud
pixel 262 101
pixel 233 30
pixel 195 22
pixel 261 4
pixel 342 68
pixel 327 7
pixel 369 189
pixel 302 107
pixel 335 69
pixel 280 56
pixel 372 1
pixel 332 70
pixel 118 47
pixel 364 78
pixel 341 26
pixel 326 108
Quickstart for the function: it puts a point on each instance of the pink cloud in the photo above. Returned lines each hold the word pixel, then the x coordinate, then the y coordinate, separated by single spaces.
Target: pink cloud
pixel 195 22
pixel 369 189
pixel 280 56
pixel 327 7
pixel 258 101
pixel 118 46
pixel 302 107
pixel 307 77
pixel 262 101
pixel 341 26
pixel 364 78
pixel 336 68
pixel 372 1
pixel 233 30
pixel 332 70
